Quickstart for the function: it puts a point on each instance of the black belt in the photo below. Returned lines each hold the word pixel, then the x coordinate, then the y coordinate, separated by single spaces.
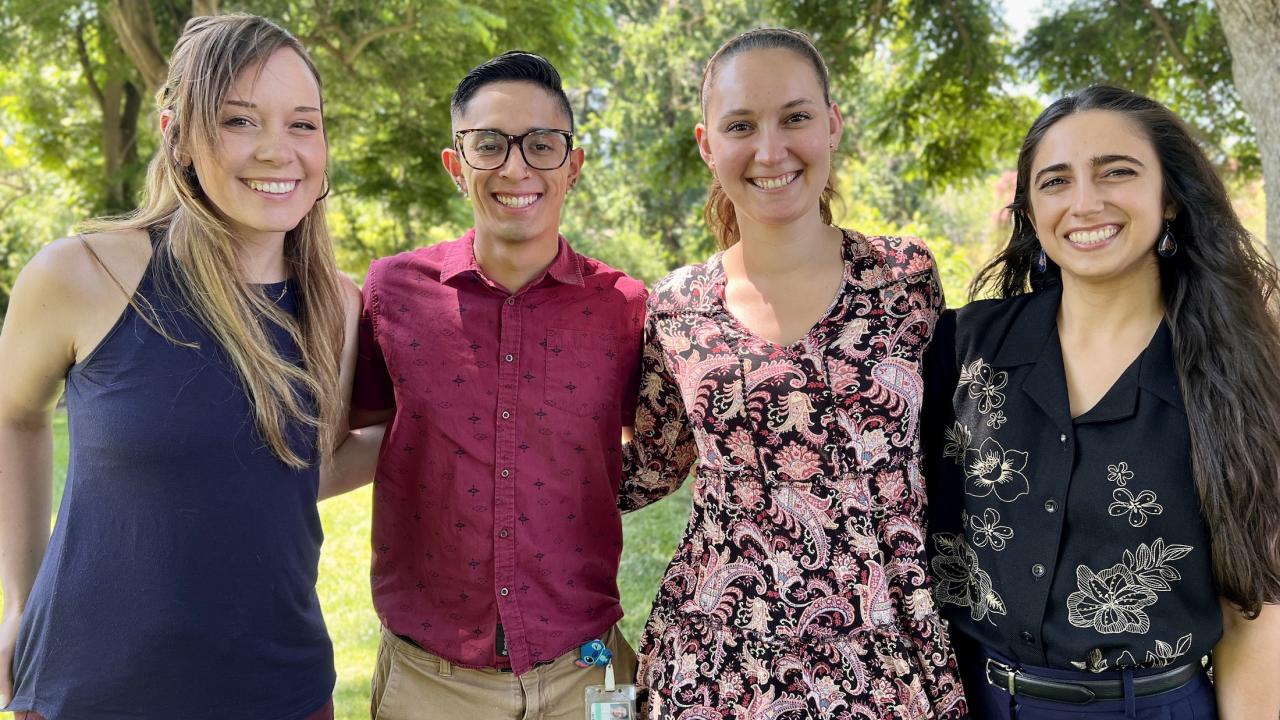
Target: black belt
pixel 1018 682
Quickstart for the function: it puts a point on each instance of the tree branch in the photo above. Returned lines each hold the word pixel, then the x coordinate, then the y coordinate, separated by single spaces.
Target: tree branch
pixel 322 34
pixel 82 54
pixel 1166 31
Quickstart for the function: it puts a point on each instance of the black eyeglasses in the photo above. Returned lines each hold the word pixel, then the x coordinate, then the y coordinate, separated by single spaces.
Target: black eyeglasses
pixel 485 149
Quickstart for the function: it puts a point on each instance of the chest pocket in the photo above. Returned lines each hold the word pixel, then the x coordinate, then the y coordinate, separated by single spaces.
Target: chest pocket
pixel 582 372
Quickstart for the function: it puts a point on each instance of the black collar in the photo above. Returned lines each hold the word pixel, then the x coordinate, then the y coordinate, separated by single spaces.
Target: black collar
pixel 1033 340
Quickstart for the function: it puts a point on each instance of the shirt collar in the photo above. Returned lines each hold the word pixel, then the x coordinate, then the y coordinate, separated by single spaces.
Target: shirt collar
pixel 1032 340
pixel 566 268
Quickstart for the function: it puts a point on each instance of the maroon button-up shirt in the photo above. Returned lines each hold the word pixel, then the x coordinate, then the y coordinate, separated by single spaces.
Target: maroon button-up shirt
pixel 495 500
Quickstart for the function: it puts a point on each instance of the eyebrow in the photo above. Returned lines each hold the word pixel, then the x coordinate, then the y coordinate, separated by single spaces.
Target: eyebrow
pixel 744 111
pixel 1093 162
pixel 251 106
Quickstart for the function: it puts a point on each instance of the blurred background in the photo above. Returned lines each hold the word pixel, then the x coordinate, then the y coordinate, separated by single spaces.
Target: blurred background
pixel 936 95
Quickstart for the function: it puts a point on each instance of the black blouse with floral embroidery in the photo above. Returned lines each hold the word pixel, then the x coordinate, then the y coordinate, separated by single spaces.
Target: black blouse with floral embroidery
pixel 1058 541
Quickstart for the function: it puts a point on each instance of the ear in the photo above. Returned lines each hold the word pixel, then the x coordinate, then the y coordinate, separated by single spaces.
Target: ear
pixel 452 164
pixel 577 157
pixel 700 135
pixel 1170 211
pixel 835 125
pixel 166 117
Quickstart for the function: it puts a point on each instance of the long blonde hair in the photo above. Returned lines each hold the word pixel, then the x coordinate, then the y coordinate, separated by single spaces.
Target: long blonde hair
pixel 720 215
pixel 201 251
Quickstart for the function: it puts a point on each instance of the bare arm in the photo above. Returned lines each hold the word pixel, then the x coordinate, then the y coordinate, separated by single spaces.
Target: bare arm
pixel 1244 665
pixel 356 456
pixel 37 346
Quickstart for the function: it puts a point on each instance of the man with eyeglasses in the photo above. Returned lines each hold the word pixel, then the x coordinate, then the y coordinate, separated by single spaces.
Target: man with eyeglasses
pixel 506 364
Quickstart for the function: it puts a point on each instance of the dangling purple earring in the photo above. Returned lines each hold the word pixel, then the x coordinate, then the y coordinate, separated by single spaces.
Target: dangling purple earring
pixel 1042 262
pixel 1167 247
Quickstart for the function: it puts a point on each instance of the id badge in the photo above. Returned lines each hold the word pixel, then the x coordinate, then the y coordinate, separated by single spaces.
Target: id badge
pixel 611 701
pixel 620 704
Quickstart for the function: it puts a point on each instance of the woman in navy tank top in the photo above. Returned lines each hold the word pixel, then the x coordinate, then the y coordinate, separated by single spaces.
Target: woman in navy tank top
pixel 205 343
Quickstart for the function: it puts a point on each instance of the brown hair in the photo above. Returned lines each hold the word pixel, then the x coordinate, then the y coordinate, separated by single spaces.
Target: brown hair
pixel 719 212
pixel 201 251
pixel 1220 297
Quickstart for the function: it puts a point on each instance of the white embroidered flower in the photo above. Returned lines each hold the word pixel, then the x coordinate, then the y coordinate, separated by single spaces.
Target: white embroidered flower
pixel 985 385
pixel 996 420
pixel 1119 473
pixel 1137 507
pixel 958 438
pixel 989 531
pixel 991 468
pixel 959 580
pixel 1111 601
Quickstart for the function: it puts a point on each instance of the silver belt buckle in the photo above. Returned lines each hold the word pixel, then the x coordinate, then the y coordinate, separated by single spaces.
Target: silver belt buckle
pixel 1010 674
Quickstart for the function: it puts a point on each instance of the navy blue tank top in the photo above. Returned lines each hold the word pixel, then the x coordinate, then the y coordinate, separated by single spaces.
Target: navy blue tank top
pixel 180 578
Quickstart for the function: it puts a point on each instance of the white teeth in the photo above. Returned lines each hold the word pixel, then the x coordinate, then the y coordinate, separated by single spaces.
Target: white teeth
pixel 274 188
pixel 774 183
pixel 516 201
pixel 1093 237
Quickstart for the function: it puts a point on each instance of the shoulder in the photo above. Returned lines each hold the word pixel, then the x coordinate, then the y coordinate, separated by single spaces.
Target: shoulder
pixel 600 272
pixel 352 300
pixel 87 268
pixel 982 326
pixel 883 259
pixel 686 289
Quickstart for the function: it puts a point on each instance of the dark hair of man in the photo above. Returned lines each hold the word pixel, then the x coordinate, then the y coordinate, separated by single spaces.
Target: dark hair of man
pixel 1220 297
pixel 719 212
pixel 513 66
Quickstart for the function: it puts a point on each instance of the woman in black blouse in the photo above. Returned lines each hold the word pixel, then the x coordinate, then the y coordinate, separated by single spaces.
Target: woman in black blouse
pixel 1103 439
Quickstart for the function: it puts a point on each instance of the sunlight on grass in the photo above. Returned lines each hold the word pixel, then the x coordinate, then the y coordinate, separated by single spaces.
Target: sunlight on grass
pixel 650 534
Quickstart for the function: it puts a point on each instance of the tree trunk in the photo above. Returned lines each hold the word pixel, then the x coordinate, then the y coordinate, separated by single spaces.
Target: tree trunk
pixel 1252 28
pixel 135 26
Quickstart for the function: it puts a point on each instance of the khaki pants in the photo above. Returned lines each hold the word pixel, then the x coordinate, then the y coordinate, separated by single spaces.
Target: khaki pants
pixel 412 684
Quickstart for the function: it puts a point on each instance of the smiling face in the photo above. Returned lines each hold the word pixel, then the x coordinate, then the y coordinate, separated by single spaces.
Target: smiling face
pixel 1097 198
pixel 768 135
pixel 514 203
pixel 268 168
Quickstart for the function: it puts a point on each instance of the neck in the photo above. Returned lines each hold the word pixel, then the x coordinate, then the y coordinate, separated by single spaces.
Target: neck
pixel 515 265
pixel 1102 310
pixel 781 250
pixel 261 258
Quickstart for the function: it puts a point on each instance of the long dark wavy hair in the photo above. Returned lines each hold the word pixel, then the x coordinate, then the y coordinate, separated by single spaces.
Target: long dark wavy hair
pixel 1220 301
pixel 719 213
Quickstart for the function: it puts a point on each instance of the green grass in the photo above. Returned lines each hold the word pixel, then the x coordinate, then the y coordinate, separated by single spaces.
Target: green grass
pixel 650 538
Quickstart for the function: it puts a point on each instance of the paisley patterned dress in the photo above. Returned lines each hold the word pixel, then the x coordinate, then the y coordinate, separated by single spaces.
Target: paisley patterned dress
pixel 800 588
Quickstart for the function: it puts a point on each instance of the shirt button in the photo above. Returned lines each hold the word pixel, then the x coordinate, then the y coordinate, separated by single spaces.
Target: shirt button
pixel 1028 638
pixel 505 473
pixel 506 415
pixel 509 357
pixel 504 592
pixel 511 301
pixel 1051 505
pixel 1038 570
pixel 1062 438
pixel 503 532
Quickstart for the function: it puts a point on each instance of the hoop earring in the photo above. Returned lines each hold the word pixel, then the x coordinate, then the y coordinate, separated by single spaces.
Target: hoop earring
pixel 1042 261
pixel 1168 246
pixel 327 187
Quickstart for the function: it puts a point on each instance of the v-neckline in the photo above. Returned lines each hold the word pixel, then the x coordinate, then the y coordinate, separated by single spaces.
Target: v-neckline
pixel 722 283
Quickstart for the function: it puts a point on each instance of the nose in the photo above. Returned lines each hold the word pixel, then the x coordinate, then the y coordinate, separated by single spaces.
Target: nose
pixel 272 147
pixel 515 167
pixel 1087 199
pixel 772 148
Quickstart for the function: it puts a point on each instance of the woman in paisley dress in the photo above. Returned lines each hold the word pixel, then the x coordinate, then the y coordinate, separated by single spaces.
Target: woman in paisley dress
pixel 787 368
pixel 1102 438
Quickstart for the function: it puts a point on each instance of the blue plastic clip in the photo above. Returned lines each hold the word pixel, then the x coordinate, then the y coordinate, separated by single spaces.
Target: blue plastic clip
pixel 593 653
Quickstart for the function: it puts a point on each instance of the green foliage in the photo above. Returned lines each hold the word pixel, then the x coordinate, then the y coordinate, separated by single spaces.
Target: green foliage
pixel 1173 51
